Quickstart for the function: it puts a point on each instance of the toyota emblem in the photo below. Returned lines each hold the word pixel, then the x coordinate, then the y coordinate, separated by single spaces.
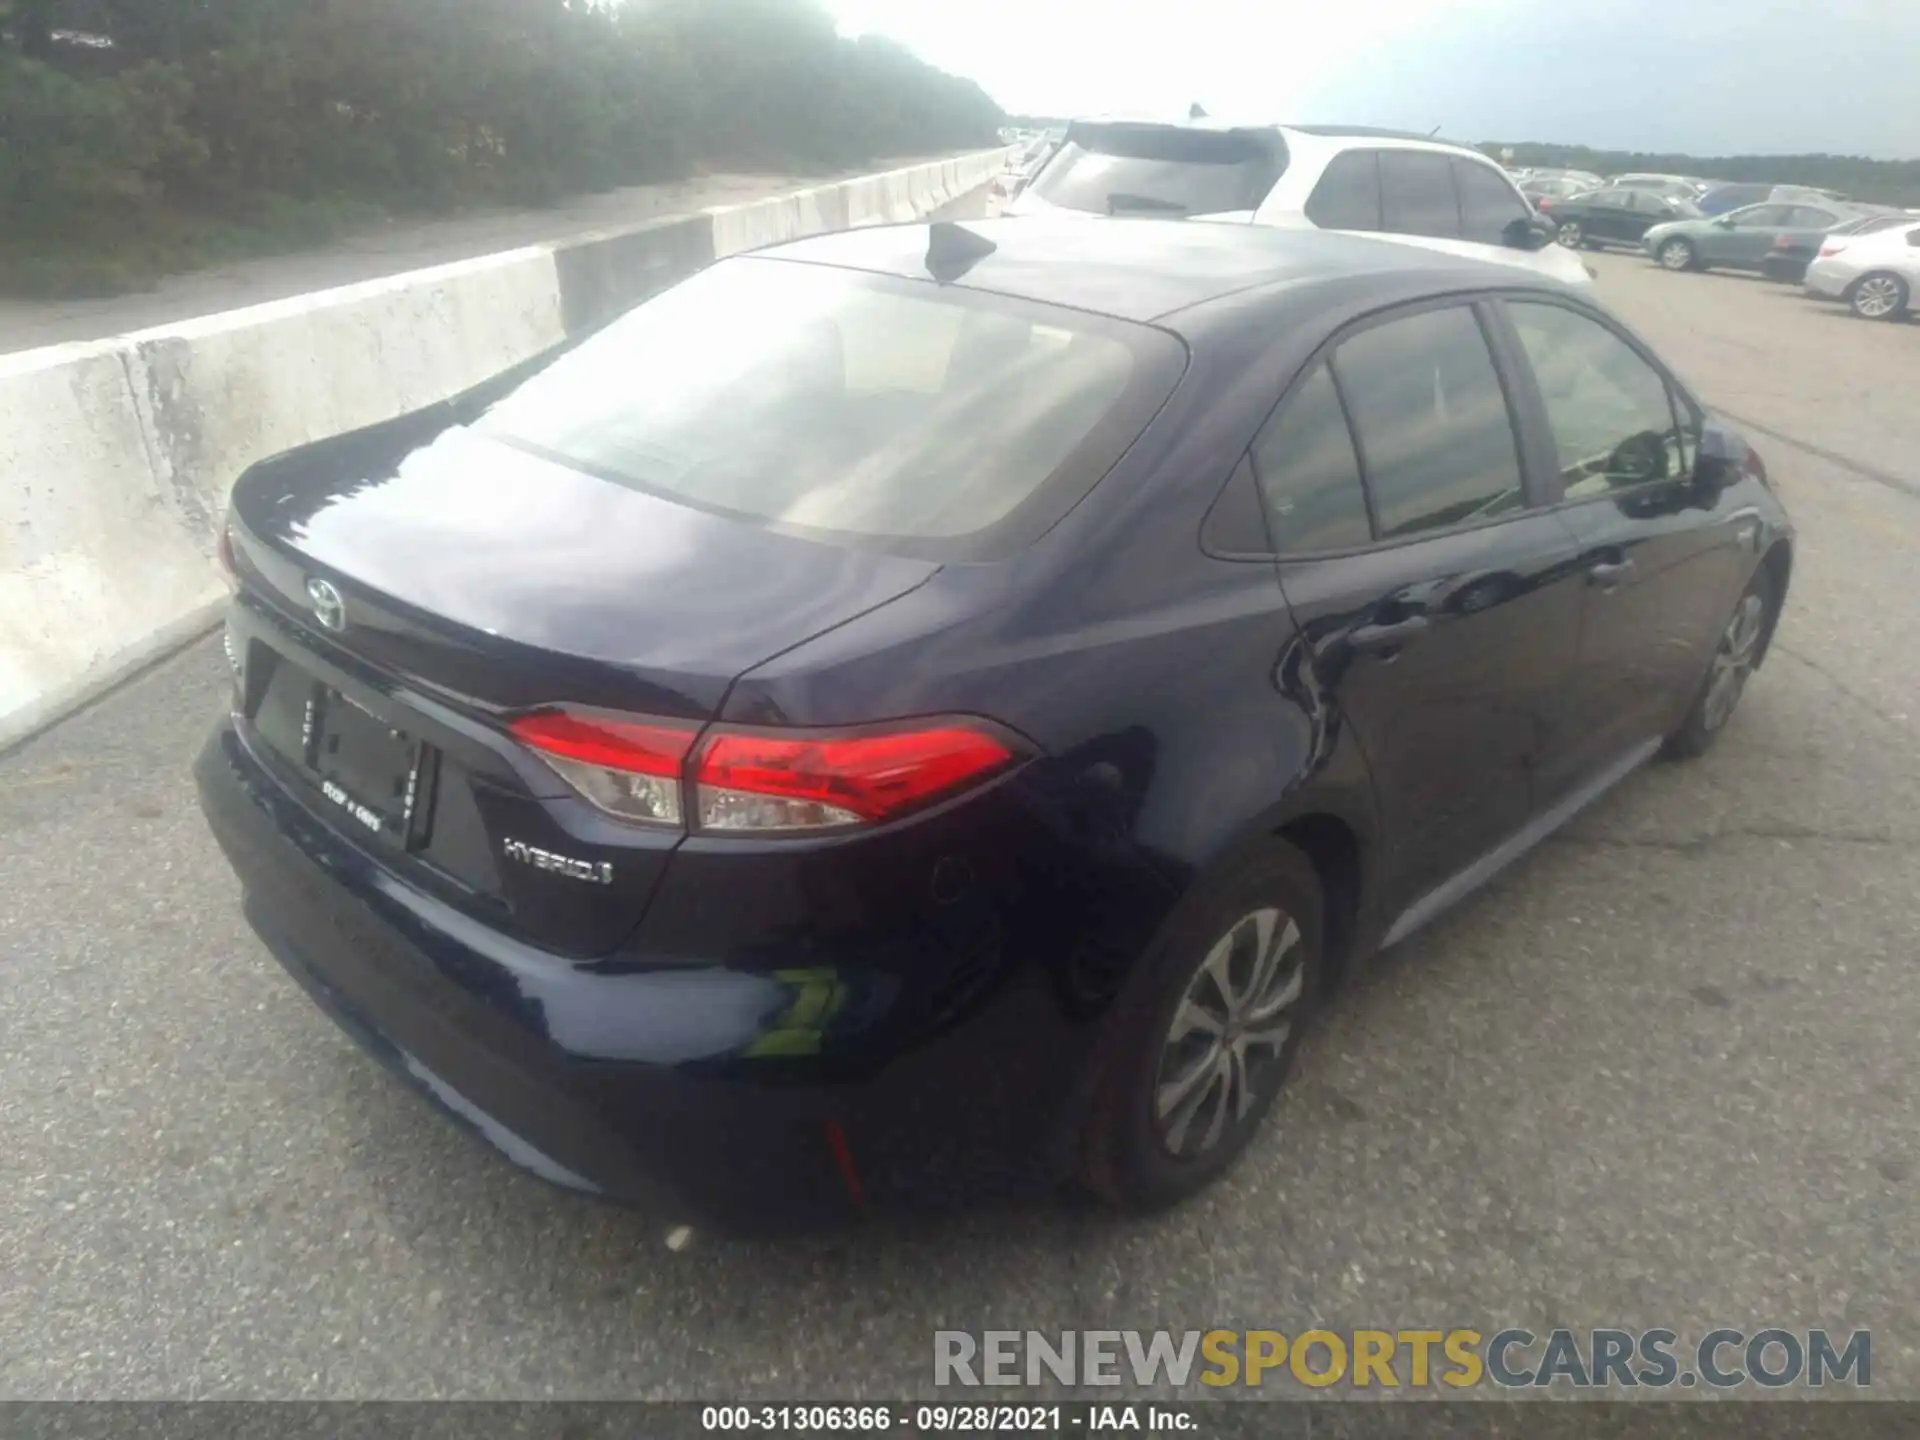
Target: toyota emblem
pixel 328 608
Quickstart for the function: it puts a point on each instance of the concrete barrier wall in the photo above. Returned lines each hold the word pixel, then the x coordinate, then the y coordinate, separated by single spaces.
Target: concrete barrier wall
pixel 116 456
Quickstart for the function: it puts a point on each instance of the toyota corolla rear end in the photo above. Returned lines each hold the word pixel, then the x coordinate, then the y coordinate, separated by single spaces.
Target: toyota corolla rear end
pixel 490 805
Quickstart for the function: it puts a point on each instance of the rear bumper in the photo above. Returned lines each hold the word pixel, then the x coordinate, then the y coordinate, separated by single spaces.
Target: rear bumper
pixel 1825 278
pixel 702 1091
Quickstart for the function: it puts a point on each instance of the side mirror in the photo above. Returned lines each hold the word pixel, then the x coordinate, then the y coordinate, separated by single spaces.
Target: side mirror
pixel 1720 463
pixel 1725 222
pixel 1529 232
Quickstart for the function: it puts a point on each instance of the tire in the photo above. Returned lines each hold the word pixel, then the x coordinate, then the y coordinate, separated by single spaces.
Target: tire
pixel 1878 295
pixel 1678 254
pixel 1149 1144
pixel 1735 655
pixel 1571 234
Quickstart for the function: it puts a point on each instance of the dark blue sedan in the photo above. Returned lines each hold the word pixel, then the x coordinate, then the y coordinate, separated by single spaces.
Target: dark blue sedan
pixel 934 710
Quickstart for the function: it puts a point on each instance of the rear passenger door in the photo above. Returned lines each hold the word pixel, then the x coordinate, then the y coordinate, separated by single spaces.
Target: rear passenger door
pixel 1611 216
pixel 1440 603
pixel 1744 237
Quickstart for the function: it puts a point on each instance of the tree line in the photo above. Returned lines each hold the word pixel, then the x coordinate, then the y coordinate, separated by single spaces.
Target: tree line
pixel 138 136
pixel 1880 182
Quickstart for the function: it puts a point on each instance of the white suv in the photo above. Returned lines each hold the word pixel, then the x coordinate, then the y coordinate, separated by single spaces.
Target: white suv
pixel 1401 187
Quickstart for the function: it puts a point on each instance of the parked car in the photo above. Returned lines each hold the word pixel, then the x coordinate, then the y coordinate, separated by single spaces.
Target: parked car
pixel 1406 187
pixel 1675 187
pixel 1553 188
pixel 1793 250
pixel 953 736
pixel 1876 274
pixel 1740 239
pixel 1614 215
pixel 1721 199
pixel 1586 179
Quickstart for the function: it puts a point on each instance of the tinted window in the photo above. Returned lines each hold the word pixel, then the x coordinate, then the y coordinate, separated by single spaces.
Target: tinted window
pixel 1611 199
pixel 1487 203
pixel 1761 216
pixel 1436 443
pixel 1309 476
pixel 1348 195
pixel 1611 418
pixel 1728 196
pixel 822 399
pixel 1416 194
pixel 1806 217
pixel 1160 170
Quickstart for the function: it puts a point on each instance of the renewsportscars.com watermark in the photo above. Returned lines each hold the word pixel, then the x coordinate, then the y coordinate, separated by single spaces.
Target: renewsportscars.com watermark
pixel 1459 1359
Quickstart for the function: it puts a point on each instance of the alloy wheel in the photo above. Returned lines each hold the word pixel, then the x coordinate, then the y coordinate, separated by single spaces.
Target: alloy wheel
pixel 1676 255
pixel 1570 234
pixel 1733 661
pixel 1877 297
pixel 1228 1032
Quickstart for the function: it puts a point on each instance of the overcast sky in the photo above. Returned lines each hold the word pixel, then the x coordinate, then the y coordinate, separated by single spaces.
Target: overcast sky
pixel 1708 77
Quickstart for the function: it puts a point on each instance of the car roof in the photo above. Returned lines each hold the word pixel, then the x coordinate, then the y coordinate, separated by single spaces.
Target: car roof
pixel 1138 269
pixel 1167 122
pixel 1227 122
pixel 1373 132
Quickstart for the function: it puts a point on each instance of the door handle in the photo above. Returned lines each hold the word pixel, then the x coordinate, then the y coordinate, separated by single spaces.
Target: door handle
pixel 1389 636
pixel 1609 573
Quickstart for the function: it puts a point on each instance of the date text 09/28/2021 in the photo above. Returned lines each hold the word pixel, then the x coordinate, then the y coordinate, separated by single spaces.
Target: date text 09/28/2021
pixel 938 1419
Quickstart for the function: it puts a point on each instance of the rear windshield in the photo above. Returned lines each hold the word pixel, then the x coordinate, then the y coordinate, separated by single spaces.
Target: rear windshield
pixel 844 404
pixel 1161 170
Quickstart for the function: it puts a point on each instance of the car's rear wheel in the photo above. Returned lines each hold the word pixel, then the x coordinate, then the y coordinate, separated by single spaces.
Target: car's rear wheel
pixel 1734 658
pixel 1677 255
pixel 1878 296
pixel 1571 235
pixel 1204 1035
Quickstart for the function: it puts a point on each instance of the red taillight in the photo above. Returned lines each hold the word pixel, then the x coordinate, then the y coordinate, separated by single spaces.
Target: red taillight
pixel 759 782
pixel 223 552
pixel 1754 466
pixel 774 782
pixel 629 768
pixel 1833 247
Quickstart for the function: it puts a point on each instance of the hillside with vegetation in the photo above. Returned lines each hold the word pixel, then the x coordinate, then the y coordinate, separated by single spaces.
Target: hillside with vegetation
pixel 139 137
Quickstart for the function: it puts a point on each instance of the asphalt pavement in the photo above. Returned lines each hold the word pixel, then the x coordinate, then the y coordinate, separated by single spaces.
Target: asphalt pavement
pixel 1661 1073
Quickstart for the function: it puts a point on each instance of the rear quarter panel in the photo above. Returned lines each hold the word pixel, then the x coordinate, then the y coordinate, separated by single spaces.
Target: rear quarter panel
pixel 1163 688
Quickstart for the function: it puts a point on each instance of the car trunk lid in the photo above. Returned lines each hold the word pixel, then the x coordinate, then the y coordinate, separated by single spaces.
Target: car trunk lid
pixel 474 581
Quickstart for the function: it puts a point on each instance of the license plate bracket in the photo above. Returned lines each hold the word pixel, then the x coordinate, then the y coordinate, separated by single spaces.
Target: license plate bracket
pixel 369 769
pixel 375 774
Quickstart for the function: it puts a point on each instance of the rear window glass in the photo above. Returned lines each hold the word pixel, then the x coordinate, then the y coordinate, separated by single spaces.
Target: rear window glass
pixel 1435 439
pixel 828 400
pixel 1347 196
pixel 1309 475
pixel 1160 170
pixel 1416 194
